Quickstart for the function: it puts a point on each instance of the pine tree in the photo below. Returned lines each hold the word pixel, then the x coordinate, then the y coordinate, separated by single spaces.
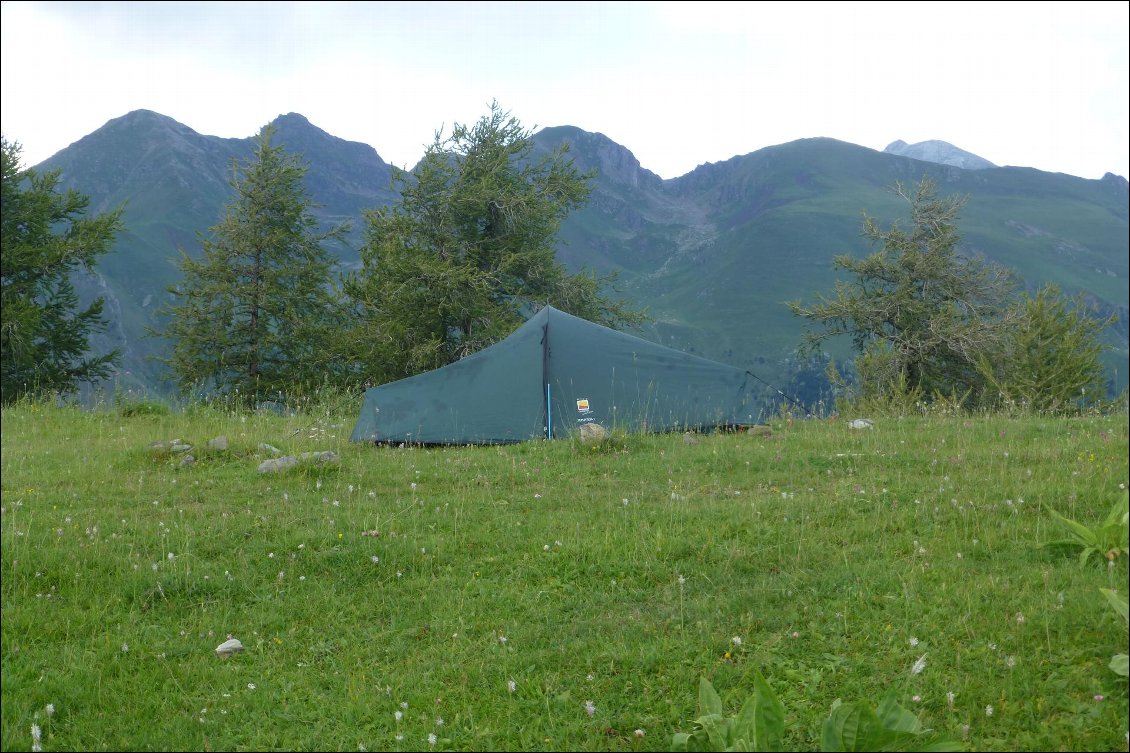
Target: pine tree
pixel 254 314
pixel 44 337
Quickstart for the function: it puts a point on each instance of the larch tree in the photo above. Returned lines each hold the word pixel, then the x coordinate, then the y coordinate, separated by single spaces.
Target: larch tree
pixel 920 315
pixel 254 315
pixel 468 251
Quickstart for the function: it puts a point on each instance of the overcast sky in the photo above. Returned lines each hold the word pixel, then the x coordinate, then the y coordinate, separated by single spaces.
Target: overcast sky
pixel 1040 84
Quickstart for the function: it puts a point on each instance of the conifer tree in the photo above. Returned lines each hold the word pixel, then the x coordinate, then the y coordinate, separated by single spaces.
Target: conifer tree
pixel 44 336
pixel 468 251
pixel 920 315
pixel 1051 360
pixel 254 314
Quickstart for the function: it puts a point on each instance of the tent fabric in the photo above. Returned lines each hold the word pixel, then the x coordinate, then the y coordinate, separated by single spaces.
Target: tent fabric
pixel 553 374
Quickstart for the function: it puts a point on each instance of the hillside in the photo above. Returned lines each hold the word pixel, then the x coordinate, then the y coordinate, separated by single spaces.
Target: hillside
pixel 712 255
pixel 552 595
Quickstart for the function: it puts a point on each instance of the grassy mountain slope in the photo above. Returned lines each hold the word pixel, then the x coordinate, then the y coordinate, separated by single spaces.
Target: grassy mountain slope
pixel 712 255
pixel 716 253
pixel 174 184
pixel 552 595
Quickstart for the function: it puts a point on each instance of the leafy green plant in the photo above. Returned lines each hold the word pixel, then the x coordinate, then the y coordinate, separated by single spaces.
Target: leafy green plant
pixel 760 724
pixel 1119 663
pixel 859 727
pixel 1109 540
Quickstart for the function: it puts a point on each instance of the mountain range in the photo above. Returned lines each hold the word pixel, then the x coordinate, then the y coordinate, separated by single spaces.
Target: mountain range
pixel 712 256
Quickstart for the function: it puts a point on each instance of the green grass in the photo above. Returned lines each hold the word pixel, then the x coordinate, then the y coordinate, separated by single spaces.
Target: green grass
pixel 618 575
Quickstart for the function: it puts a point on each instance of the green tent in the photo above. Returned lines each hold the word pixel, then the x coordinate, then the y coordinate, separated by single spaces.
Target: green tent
pixel 553 374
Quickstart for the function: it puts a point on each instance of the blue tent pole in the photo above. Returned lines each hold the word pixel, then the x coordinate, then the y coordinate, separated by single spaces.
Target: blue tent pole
pixel 549 415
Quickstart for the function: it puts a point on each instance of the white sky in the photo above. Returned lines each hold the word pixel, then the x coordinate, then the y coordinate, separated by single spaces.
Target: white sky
pixel 1041 84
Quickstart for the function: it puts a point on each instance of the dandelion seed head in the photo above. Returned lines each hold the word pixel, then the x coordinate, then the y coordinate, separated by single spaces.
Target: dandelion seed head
pixel 398 715
pixel 913 641
pixel 432 735
pixel 590 709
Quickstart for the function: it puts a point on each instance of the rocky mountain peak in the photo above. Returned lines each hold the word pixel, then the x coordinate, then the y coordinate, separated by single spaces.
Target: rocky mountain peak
pixel 590 150
pixel 938 152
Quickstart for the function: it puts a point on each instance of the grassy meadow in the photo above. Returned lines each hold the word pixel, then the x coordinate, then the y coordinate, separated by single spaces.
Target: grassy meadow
pixel 551 596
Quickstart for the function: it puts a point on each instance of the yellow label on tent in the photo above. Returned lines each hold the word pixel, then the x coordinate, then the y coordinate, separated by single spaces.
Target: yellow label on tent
pixel 583 405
